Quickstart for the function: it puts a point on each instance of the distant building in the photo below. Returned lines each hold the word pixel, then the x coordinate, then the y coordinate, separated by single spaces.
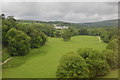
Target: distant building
pixel 60 27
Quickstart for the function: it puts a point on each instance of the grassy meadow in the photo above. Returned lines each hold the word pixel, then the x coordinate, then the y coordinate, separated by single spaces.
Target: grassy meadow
pixel 112 74
pixel 43 62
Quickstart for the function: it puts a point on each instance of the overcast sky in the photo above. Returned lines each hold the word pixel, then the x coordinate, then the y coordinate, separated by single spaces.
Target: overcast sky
pixel 76 12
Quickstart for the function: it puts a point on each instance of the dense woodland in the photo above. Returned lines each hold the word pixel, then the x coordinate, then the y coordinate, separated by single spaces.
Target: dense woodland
pixel 19 37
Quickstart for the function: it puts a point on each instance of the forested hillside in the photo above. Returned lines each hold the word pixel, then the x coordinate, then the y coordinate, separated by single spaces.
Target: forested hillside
pixel 99 24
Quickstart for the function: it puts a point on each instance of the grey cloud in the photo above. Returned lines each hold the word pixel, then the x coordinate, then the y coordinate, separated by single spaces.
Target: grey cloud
pixel 63 11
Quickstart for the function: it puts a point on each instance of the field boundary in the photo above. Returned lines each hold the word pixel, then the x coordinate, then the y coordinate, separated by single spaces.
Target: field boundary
pixel 99 38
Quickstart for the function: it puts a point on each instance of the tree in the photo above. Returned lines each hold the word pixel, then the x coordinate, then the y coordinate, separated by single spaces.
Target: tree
pixel 6 25
pixel 19 42
pixel 83 31
pixel 93 32
pixel 106 36
pixel 72 66
pixel 66 35
pixel 47 29
pixel 38 38
pixel 113 45
pixel 112 58
pixel 4 37
pixel 96 61
pixel 57 34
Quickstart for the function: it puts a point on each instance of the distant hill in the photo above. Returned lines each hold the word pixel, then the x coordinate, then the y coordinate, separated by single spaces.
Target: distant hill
pixel 104 24
pixel 107 23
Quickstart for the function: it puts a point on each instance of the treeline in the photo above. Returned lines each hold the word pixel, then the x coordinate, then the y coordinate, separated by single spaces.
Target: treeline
pixel 90 63
pixel 106 34
pixel 20 38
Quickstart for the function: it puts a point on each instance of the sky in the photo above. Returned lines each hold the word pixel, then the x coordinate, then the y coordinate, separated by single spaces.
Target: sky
pixel 75 12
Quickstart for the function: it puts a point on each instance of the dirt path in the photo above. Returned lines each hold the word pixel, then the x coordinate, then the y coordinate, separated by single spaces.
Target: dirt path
pixel 6 61
pixel 99 38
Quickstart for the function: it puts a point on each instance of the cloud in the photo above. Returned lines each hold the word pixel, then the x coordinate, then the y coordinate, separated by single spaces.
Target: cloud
pixel 76 12
pixel 59 0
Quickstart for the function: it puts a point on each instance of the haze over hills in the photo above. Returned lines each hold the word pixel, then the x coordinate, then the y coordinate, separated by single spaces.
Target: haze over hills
pixel 106 23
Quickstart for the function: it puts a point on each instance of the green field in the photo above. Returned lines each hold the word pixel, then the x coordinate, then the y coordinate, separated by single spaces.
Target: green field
pixel 43 62
pixel 112 74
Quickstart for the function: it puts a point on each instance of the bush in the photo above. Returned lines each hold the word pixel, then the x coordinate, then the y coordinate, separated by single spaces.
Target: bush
pixel 72 66
pixel 96 61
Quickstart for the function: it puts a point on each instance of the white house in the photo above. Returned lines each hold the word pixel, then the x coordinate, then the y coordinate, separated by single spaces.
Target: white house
pixel 60 27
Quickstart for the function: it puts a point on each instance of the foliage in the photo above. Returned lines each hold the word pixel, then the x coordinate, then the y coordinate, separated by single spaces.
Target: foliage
pixel 108 34
pixel 45 28
pixel 83 31
pixel 66 35
pixel 5 54
pixel 112 58
pixel 96 61
pixel 94 32
pixel 6 25
pixel 19 42
pixel 99 63
pixel 72 66
pixel 38 38
pixel 113 45
pixel 57 33
pixel 13 35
